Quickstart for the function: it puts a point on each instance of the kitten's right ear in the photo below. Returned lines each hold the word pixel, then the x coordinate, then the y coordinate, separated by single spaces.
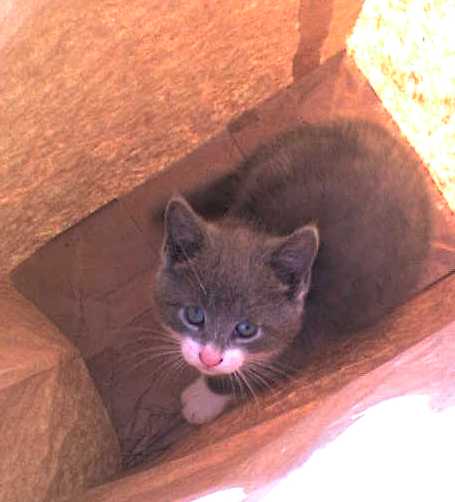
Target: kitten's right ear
pixel 293 258
pixel 184 232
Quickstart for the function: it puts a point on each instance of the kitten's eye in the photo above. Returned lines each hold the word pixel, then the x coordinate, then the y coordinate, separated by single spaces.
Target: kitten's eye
pixel 246 329
pixel 194 315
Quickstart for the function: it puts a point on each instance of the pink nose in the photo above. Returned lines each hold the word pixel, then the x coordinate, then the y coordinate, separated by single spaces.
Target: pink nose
pixel 210 357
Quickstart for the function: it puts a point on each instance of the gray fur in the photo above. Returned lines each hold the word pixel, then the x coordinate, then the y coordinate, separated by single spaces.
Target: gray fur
pixel 351 180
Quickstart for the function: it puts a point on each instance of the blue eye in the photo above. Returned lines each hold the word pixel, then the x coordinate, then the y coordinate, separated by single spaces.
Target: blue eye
pixel 246 329
pixel 194 315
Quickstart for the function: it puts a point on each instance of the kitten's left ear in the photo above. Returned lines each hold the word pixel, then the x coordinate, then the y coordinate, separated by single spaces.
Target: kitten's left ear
pixel 293 257
pixel 185 232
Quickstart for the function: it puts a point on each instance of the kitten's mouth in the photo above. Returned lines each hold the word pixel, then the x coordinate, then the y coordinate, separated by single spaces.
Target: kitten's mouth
pixel 211 367
pixel 210 371
pixel 207 370
pixel 209 360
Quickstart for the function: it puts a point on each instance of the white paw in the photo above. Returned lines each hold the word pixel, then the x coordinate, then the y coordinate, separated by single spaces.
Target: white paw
pixel 200 404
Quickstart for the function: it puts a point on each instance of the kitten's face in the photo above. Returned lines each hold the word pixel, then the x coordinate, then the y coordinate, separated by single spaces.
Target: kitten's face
pixel 230 295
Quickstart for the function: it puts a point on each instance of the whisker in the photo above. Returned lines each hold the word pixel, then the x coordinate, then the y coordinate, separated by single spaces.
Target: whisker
pixel 255 400
pixel 152 351
pixel 258 377
pixel 167 372
pixel 160 330
pixel 248 386
pixel 238 391
pixel 274 390
pixel 150 341
pixel 271 367
pixel 134 331
pixel 153 344
pixel 232 382
pixel 167 361
pixel 270 372
pixel 180 366
pixel 238 384
pixel 148 357
pixel 173 370
pixel 238 394
pixel 147 333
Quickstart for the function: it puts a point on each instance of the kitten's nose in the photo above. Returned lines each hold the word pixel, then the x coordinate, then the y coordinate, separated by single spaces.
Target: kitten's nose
pixel 210 357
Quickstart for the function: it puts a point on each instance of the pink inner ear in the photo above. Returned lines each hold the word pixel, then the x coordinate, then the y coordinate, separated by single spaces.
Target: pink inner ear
pixel 210 356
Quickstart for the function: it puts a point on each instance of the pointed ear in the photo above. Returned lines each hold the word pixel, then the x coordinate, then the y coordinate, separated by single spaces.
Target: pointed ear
pixel 293 257
pixel 184 232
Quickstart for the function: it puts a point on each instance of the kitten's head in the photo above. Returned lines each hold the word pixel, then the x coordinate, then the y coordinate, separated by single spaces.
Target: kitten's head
pixel 229 294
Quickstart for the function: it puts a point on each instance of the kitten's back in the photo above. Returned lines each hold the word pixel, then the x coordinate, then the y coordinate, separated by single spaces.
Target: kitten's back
pixel 366 193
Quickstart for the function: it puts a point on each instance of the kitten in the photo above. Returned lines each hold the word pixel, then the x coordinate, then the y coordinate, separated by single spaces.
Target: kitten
pixel 326 232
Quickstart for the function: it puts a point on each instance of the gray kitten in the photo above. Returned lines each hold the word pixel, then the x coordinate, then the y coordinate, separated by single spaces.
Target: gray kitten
pixel 326 232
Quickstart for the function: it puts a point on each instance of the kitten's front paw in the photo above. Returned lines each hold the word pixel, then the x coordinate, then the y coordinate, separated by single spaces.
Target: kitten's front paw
pixel 200 404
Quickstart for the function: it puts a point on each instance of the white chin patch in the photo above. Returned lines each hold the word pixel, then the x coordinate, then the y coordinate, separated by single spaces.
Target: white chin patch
pixel 233 359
